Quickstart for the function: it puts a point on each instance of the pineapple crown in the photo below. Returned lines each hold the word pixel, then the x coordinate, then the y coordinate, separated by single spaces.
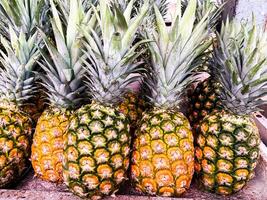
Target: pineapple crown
pixel 214 7
pixel 23 15
pixel 63 65
pixel 240 65
pixel 173 51
pixel 110 53
pixel 150 19
pixel 64 8
pixel 18 60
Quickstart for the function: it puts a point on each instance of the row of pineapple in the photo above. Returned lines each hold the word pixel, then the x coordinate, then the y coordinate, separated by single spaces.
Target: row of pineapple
pixel 85 56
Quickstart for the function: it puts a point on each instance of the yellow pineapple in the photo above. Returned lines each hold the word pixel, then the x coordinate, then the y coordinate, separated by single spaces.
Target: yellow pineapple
pixel 63 82
pixel 132 105
pixel 47 148
pixel 163 155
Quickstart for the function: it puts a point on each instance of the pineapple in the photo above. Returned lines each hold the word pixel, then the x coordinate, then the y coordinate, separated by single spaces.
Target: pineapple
pixel 97 143
pixel 16 87
pixel 203 6
pixel 132 105
pixel 63 82
pixel 203 98
pixel 25 16
pixel 36 108
pixel 227 149
pixel 163 155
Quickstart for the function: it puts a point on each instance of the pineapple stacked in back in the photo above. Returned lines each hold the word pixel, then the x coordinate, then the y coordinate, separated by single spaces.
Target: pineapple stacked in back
pixel 65 91
pixel 203 99
pixel 228 141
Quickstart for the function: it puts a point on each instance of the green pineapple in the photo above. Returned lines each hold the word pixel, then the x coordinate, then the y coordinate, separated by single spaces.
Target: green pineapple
pixel 24 16
pixel 16 88
pixel 227 148
pixel 163 155
pixel 97 143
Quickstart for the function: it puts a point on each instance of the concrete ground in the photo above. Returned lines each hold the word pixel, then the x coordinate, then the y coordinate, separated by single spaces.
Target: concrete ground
pixel 245 8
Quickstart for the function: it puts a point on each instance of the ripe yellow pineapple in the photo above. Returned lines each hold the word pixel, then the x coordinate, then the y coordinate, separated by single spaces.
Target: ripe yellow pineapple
pixel 47 147
pixel 63 82
pixel 227 148
pixel 163 155
pixel 97 143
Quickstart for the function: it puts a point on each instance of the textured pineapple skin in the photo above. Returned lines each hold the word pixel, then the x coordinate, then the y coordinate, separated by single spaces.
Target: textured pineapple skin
pixel 15 139
pixel 203 100
pixel 35 110
pixel 47 147
pixel 227 152
pixel 96 151
pixel 132 106
pixel 163 155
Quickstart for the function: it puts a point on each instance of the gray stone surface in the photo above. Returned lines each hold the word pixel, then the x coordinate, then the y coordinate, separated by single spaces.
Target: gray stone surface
pixel 245 8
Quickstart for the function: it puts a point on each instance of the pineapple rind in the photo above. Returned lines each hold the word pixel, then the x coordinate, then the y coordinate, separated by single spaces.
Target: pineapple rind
pixel 132 106
pixel 204 100
pixel 227 152
pixel 163 155
pixel 47 147
pixel 15 141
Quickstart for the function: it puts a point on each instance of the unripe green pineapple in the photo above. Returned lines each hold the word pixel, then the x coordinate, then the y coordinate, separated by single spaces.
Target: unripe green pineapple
pixel 97 142
pixel 16 88
pixel 227 151
pixel 228 141
pixel 24 16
